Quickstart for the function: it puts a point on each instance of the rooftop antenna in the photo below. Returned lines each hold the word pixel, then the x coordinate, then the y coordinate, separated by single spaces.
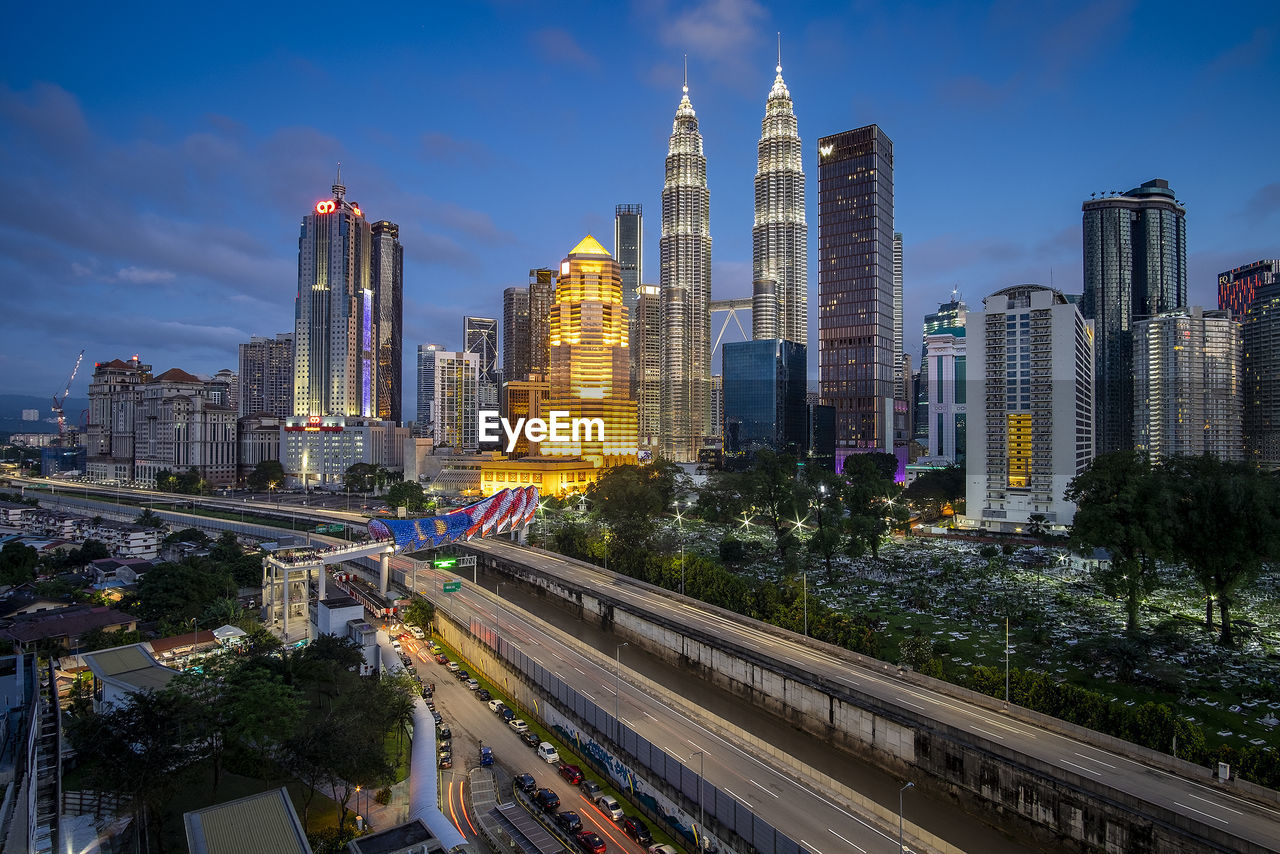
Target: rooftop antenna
pixel 338 190
pixel 686 74
pixel 779 69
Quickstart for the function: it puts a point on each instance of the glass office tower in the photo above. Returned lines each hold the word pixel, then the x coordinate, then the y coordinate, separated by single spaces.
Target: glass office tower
pixel 764 398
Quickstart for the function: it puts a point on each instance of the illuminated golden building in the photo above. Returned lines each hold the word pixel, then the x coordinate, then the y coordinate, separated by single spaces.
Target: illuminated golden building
pixel 590 370
pixel 554 476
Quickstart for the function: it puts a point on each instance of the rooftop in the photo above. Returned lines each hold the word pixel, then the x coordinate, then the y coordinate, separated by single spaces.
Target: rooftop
pixel 396 839
pixel 69 622
pixel 130 667
pixel 264 824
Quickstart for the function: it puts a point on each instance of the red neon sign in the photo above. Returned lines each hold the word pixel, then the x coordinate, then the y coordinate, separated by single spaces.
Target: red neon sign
pixel 328 206
pixel 356 210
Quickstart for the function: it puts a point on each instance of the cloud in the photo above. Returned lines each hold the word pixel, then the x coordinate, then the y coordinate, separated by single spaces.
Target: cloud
pixel 559 45
pixel 1265 202
pixel 444 148
pixel 723 34
pixel 1244 55
pixel 142 276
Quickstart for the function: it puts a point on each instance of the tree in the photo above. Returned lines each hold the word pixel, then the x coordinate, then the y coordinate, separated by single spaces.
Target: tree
pixel 149 519
pixel 772 489
pixel 245 568
pixel 629 502
pixel 267 474
pixel 406 494
pixel 1121 506
pixel 359 477
pixel 868 495
pixel 176 593
pixel 1219 508
pixel 420 613
pixel 931 490
pixel 827 515
pixel 17 563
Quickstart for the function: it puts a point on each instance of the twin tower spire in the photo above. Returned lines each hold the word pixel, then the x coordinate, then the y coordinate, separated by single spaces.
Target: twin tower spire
pixel 779 261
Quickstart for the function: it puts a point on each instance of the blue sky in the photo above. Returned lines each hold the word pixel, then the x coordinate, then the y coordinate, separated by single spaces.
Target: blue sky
pixel 158 158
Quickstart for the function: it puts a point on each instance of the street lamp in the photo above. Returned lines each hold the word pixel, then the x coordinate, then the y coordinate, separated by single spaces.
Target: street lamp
pixel 702 819
pixel 900 791
pixel 359 812
pixel 680 522
pixel 617 688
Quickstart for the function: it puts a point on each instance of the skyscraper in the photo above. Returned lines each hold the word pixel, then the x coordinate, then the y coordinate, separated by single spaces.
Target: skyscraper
pixel 388 298
pixel 266 376
pixel 1030 378
pixel 480 336
pixel 425 423
pixel 764 389
pixel 590 373
pixel 1187 385
pixel 949 314
pixel 628 250
pixel 1237 288
pixel 1261 333
pixel 542 295
pixel 685 254
pixel 1135 266
pixel 945 351
pixel 897 315
pixel 646 349
pixel 515 334
pixel 780 237
pixel 456 399
pixel 334 365
pixel 855 287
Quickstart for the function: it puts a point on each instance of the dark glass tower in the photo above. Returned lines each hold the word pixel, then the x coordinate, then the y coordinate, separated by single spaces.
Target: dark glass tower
pixel 1261 333
pixel 764 407
pixel 515 334
pixel 855 287
pixel 387 260
pixel 628 250
pixel 1135 266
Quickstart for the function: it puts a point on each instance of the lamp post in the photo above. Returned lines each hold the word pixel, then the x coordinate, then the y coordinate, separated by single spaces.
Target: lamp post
pixel 359 812
pixel 193 640
pixel 900 791
pixel 702 819
pixel 617 688
pixel 680 522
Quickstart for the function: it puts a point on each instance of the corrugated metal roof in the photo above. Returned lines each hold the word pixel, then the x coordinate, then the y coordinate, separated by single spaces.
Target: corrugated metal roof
pixel 130 666
pixel 264 824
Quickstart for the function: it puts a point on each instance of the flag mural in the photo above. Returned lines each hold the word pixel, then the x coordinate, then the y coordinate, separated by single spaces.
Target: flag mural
pixel 502 511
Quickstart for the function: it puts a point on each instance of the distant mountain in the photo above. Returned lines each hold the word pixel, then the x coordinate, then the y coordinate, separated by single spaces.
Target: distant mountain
pixel 11 406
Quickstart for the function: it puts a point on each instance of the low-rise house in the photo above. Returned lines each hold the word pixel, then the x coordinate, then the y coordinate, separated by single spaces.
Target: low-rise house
pixel 64 628
pixel 124 670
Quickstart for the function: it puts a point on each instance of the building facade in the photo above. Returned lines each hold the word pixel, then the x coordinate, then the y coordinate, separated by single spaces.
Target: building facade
pixel 523 399
pixel 646 349
pixel 266 376
pixel 257 440
pixel 780 235
pixel 515 334
pixel 1260 331
pixel 1188 384
pixel 628 251
pixel 1238 288
pixel 387 275
pixel 685 279
pixel 855 287
pixel 424 425
pixel 1135 266
pixel 542 295
pixel 456 399
pixel 317 450
pixel 334 349
pixel 1031 378
pixel 114 392
pixel 764 399
pixel 945 432
pixel 590 374
pixel 480 336
pixel 950 314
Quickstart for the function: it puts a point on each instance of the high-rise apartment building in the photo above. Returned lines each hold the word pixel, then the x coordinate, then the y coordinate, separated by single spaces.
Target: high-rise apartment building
pixel 590 376
pixel 646 349
pixel 542 295
pixel 515 334
pixel 1135 266
pixel 951 314
pixel 266 376
pixel 480 336
pixel 387 275
pixel 764 405
pixel 1187 388
pixel 456 399
pixel 1238 288
pixel 335 364
pixel 780 236
pixel 898 341
pixel 945 432
pixel 1261 333
pixel 1030 375
pixel 425 423
pixel 685 255
pixel 717 407
pixel 855 287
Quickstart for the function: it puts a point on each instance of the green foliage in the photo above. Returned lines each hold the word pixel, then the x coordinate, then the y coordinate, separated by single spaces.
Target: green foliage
pixel 723 497
pixel 361 477
pixel 266 475
pixel 245 567
pixel 406 494
pixel 188 535
pixel 177 593
pixel 932 489
pixel 149 519
pixel 776 497
pixel 732 551
pixel 383 796
pixel 630 498
pixel 869 500
pixel 420 613
pixel 99 638
pixel 17 563
pixel 185 483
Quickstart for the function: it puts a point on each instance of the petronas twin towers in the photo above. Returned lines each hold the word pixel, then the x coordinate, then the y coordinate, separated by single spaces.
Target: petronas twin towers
pixel 780 286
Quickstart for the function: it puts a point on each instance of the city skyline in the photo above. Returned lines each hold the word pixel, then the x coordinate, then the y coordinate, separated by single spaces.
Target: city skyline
pixel 177 200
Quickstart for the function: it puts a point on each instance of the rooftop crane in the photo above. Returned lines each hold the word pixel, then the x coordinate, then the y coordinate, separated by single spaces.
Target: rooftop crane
pixel 58 401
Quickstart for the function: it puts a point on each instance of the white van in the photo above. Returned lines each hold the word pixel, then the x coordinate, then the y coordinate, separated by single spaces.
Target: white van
pixel 548 753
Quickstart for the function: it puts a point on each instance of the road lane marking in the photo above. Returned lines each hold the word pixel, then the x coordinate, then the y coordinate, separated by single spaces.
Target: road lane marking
pixel 583 672
pixel 1219 806
pixel 649 716
pixel 678 757
pixel 810 847
pixel 848 841
pixel 588 696
pixel 989 732
pixel 761 788
pixel 695 744
pixel 625 721
pixel 1202 812
pixel 1081 767
pixel 735 795
pixel 1099 761
pixel 909 703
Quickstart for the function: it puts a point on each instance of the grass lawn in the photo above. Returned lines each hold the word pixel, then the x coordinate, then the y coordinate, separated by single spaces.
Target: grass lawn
pixel 400 746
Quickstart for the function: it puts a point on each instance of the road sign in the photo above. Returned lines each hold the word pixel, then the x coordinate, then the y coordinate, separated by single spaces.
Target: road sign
pixel 451 586
pixel 444 562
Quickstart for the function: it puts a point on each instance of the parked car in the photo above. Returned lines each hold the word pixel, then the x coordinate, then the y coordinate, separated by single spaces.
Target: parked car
pixel 526 783
pixel 496 706
pixel 531 738
pixel 484 695
pixel 590 842
pixel 462 675
pixel 662 848
pixel 444 733
pixel 637 830
pixel 518 725
pixel 572 774
pixel 609 806
pixel 445 748
pixel 435 648
pixel 416 632
pixel 446 761
pixel 569 821
pixel 548 753
pixel 506 713
pixel 590 788
pixel 473 685
pixel 439 717
pixel 548 800
pixel 453 666
pixel 395 644
pixel 441 659
pixel 486 756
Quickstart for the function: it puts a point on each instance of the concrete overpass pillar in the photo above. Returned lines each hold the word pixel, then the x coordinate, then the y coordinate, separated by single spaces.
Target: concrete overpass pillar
pixel 320 591
pixel 285 596
pixel 384 572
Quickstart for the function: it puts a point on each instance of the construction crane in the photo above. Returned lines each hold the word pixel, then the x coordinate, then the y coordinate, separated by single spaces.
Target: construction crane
pixel 58 401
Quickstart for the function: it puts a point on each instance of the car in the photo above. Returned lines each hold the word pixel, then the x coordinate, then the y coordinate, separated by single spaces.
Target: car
pixel 548 753
pixel 395 644
pixel 439 717
pixel 453 666
pixel 444 733
pixel 548 800
pixel 435 648
pixel 496 706
pixel 662 848
pixel 518 725
pixel 637 830
pixel 416 632
pixel 506 713
pixel 473 685
pixel 463 675
pixel 445 747
pixel 426 695
pixel 446 761
pixel 441 658
pixel 531 738
pixel 572 774
pixel 483 695
pixel 486 756
pixel 589 788
pixel 568 821
pixel 590 842
pixel 609 806
pixel 526 783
